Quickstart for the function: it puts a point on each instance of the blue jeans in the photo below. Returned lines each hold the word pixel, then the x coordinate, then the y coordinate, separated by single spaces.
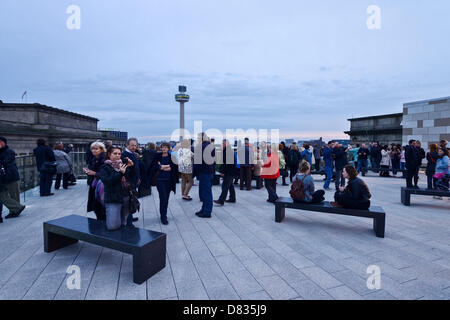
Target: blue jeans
pixel 206 193
pixel 362 164
pixel 117 214
pixel 329 175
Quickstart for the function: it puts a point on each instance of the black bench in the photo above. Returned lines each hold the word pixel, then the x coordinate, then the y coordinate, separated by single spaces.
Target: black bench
pixel 147 247
pixel 375 213
pixel 407 192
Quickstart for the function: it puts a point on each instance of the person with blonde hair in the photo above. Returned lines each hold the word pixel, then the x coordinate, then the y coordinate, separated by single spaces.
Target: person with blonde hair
pixel 304 175
pixel 95 204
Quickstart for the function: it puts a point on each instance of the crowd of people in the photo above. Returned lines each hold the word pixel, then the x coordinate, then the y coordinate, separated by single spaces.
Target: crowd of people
pixel 118 176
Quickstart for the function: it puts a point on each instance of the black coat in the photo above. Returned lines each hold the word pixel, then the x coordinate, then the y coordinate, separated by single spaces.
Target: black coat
pixel 420 155
pixel 8 160
pixel 411 157
pixel 375 152
pixel 363 153
pixel 228 167
pixel 355 196
pixel 95 165
pixel 173 172
pixel 431 163
pixel 340 158
pixel 43 154
pixel 133 157
pixel 205 168
pixel 150 166
pixel 112 181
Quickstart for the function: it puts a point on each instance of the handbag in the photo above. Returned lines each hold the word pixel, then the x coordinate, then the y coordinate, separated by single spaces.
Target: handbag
pixel 440 175
pixel 133 203
pixel 284 173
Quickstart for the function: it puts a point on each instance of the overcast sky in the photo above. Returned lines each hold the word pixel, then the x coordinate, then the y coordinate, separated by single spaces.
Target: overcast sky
pixel 303 67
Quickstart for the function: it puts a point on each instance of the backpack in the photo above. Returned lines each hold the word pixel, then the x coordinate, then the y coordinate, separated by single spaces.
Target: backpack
pixel 297 191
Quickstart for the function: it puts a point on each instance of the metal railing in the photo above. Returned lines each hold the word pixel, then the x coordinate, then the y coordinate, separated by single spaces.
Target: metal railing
pixel 29 175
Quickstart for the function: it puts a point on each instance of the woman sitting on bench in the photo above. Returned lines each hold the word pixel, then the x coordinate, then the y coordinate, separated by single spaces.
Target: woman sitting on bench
pixel 304 175
pixel 355 195
pixel 116 177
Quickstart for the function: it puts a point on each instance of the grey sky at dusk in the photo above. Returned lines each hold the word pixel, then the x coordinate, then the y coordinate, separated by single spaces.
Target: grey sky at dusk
pixel 299 66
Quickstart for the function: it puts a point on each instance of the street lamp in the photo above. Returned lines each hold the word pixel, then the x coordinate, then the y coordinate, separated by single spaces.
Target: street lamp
pixel 182 97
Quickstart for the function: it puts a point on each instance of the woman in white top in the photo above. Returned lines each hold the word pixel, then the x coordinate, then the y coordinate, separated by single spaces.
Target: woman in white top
pixel 385 161
pixel 185 166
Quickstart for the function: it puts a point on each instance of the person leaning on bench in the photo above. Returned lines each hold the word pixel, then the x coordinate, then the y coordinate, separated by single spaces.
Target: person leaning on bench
pixel 308 195
pixel 116 177
pixel 355 195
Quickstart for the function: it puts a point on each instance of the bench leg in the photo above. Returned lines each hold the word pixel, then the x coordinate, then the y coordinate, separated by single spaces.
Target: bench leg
pixel 378 225
pixel 53 241
pixel 279 213
pixel 405 197
pixel 149 261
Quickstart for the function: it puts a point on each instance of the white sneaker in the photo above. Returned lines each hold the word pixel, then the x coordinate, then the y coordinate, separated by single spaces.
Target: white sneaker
pixel 438 198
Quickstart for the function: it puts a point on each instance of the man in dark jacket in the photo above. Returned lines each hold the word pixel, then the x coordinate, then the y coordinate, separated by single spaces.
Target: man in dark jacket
pixel 129 152
pixel 227 170
pixel 375 156
pixel 420 156
pixel 150 167
pixel 44 155
pixel 204 156
pixel 412 162
pixel 363 154
pixel 340 160
pixel 9 176
pixel 246 163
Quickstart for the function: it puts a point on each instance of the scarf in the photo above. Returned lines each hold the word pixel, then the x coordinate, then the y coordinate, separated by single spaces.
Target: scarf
pixel 115 164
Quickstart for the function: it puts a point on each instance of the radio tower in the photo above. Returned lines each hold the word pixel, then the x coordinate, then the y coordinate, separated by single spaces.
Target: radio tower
pixel 182 97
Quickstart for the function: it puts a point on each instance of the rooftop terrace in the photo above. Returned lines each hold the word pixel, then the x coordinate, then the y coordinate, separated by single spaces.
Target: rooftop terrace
pixel 241 253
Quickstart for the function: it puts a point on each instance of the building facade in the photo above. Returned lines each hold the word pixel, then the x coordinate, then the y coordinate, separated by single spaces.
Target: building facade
pixel 386 129
pixel 23 123
pixel 427 121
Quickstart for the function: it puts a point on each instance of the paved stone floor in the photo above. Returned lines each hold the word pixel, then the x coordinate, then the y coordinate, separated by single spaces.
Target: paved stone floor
pixel 241 253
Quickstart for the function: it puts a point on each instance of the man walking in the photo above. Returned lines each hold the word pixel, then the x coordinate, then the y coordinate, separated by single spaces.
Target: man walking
pixel 9 184
pixel 45 158
pixel 227 171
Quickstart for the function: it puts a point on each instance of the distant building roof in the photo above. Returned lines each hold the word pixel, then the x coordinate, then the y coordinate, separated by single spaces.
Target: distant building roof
pixel 428 101
pixel 44 107
pixel 378 116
